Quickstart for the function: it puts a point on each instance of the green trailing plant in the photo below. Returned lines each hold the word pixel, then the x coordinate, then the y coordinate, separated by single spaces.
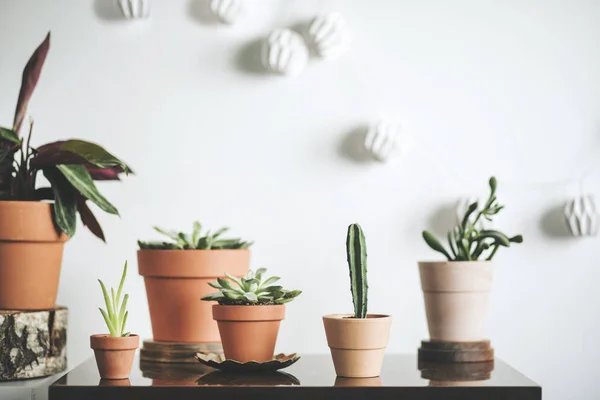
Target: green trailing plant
pixel 468 243
pixel 71 166
pixel 253 289
pixel 195 240
pixel 356 250
pixel 116 312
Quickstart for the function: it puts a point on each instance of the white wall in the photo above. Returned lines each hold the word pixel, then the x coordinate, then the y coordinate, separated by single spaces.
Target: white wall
pixel 487 87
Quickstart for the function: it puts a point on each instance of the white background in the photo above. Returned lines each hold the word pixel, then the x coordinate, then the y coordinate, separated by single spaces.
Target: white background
pixel 510 88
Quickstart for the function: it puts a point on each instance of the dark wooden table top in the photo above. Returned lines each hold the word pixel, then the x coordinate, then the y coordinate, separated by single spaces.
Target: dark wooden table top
pixel 312 377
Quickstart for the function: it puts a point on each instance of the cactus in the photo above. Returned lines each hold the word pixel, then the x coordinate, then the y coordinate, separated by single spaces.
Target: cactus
pixel 356 249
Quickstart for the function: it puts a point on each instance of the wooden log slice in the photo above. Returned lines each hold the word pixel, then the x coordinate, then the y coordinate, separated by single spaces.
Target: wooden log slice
pixel 459 372
pixel 456 352
pixel 169 352
pixel 33 343
pixel 456 346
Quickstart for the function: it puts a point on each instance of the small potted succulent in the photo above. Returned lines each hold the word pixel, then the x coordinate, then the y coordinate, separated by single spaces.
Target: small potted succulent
pixel 115 351
pixel 176 274
pixel 457 291
pixel 249 312
pixel 35 222
pixel 357 341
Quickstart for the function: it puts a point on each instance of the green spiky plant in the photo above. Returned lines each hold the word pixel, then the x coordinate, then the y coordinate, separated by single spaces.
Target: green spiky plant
pixel 253 289
pixel 468 243
pixel 194 241
pixel 356 249
pixel 116 312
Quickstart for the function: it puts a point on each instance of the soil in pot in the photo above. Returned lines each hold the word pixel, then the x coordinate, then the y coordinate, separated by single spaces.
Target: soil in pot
pixel 249 333
pixel 114 355
pixel 357 344
pixel 176 280
pixel 456 298
pixel 31 251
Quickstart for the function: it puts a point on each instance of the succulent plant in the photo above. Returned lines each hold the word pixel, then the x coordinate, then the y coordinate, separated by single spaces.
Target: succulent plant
pixel 116 312
pixel 466 241
pixel 356 249
pixel 252 289
pixel 71 166
pixel 194 241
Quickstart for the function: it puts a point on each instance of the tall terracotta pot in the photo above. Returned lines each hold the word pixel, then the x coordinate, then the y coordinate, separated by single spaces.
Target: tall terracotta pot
pixel 249 333
pixel 114 355
pixel 357 344
pixel 456 299
pixel 176 280
pixel 31 251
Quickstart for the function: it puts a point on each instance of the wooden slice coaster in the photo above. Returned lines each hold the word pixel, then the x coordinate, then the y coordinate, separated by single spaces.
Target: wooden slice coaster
pixel 459 372
pixel 456 352
pixel 170 352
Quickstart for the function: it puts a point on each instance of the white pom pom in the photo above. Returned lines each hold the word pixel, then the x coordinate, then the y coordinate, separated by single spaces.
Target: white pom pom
pixel 284 52
pixel 463 205
pixel 581 216
pixel 134 9
pixel 385 140
pixel 227 11
pixel 329 35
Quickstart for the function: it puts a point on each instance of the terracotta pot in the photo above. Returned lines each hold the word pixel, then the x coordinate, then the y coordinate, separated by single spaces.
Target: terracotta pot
pixel 31 251
pixel 176 280
pixel 249 333
pixel 456 299
pixel 114 355
pixel 357 344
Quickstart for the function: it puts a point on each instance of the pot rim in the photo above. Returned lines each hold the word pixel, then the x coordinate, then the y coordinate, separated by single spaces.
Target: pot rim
pixel 455 262
pixel 345 317
pixel 192 250
pixel 257 313
pixel 104 341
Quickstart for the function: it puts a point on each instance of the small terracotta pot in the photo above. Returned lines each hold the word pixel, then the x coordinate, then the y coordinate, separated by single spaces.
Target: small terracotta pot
pixel 176 280
pixel 249 333
pixel 456 299
pixel 357 344
pixel 114 355
pixel 31 251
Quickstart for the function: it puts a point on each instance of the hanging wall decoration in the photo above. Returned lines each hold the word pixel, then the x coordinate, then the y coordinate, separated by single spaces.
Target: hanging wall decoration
pixel 134 9
pixel 329 35
pixel 227 11
pixel 385 140
pixel 581 216
pixel 284 52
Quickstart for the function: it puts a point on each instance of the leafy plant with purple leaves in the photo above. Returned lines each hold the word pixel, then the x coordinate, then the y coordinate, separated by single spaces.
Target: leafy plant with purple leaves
pixel 71 166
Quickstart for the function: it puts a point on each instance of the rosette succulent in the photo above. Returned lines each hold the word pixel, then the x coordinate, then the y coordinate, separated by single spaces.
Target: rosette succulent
pixel 195 240
pixel 252 289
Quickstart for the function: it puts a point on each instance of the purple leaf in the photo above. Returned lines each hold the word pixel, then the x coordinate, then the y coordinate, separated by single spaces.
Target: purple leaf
pixel 31 75
pixel 88 218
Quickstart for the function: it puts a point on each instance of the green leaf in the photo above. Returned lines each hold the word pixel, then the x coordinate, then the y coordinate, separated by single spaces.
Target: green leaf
pixel 215 285
pixel 435 245
pixel 82 181
pixel 282 301
pixel 65 201
pixel 196 232
pixel 234 279
pixel 212 296
pixel 106 300
pixel 124 323
pixel 109 324
pixel 250 297
pixel 121 283
pixel 259 273
pixel 93 153
pixel 499 237
pixel 493 184
pixel 272 279
pixel 10 135
pixel 516 239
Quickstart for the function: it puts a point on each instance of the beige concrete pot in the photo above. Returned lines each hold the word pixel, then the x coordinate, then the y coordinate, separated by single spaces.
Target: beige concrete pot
pixel 357 344
pixel 456 299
